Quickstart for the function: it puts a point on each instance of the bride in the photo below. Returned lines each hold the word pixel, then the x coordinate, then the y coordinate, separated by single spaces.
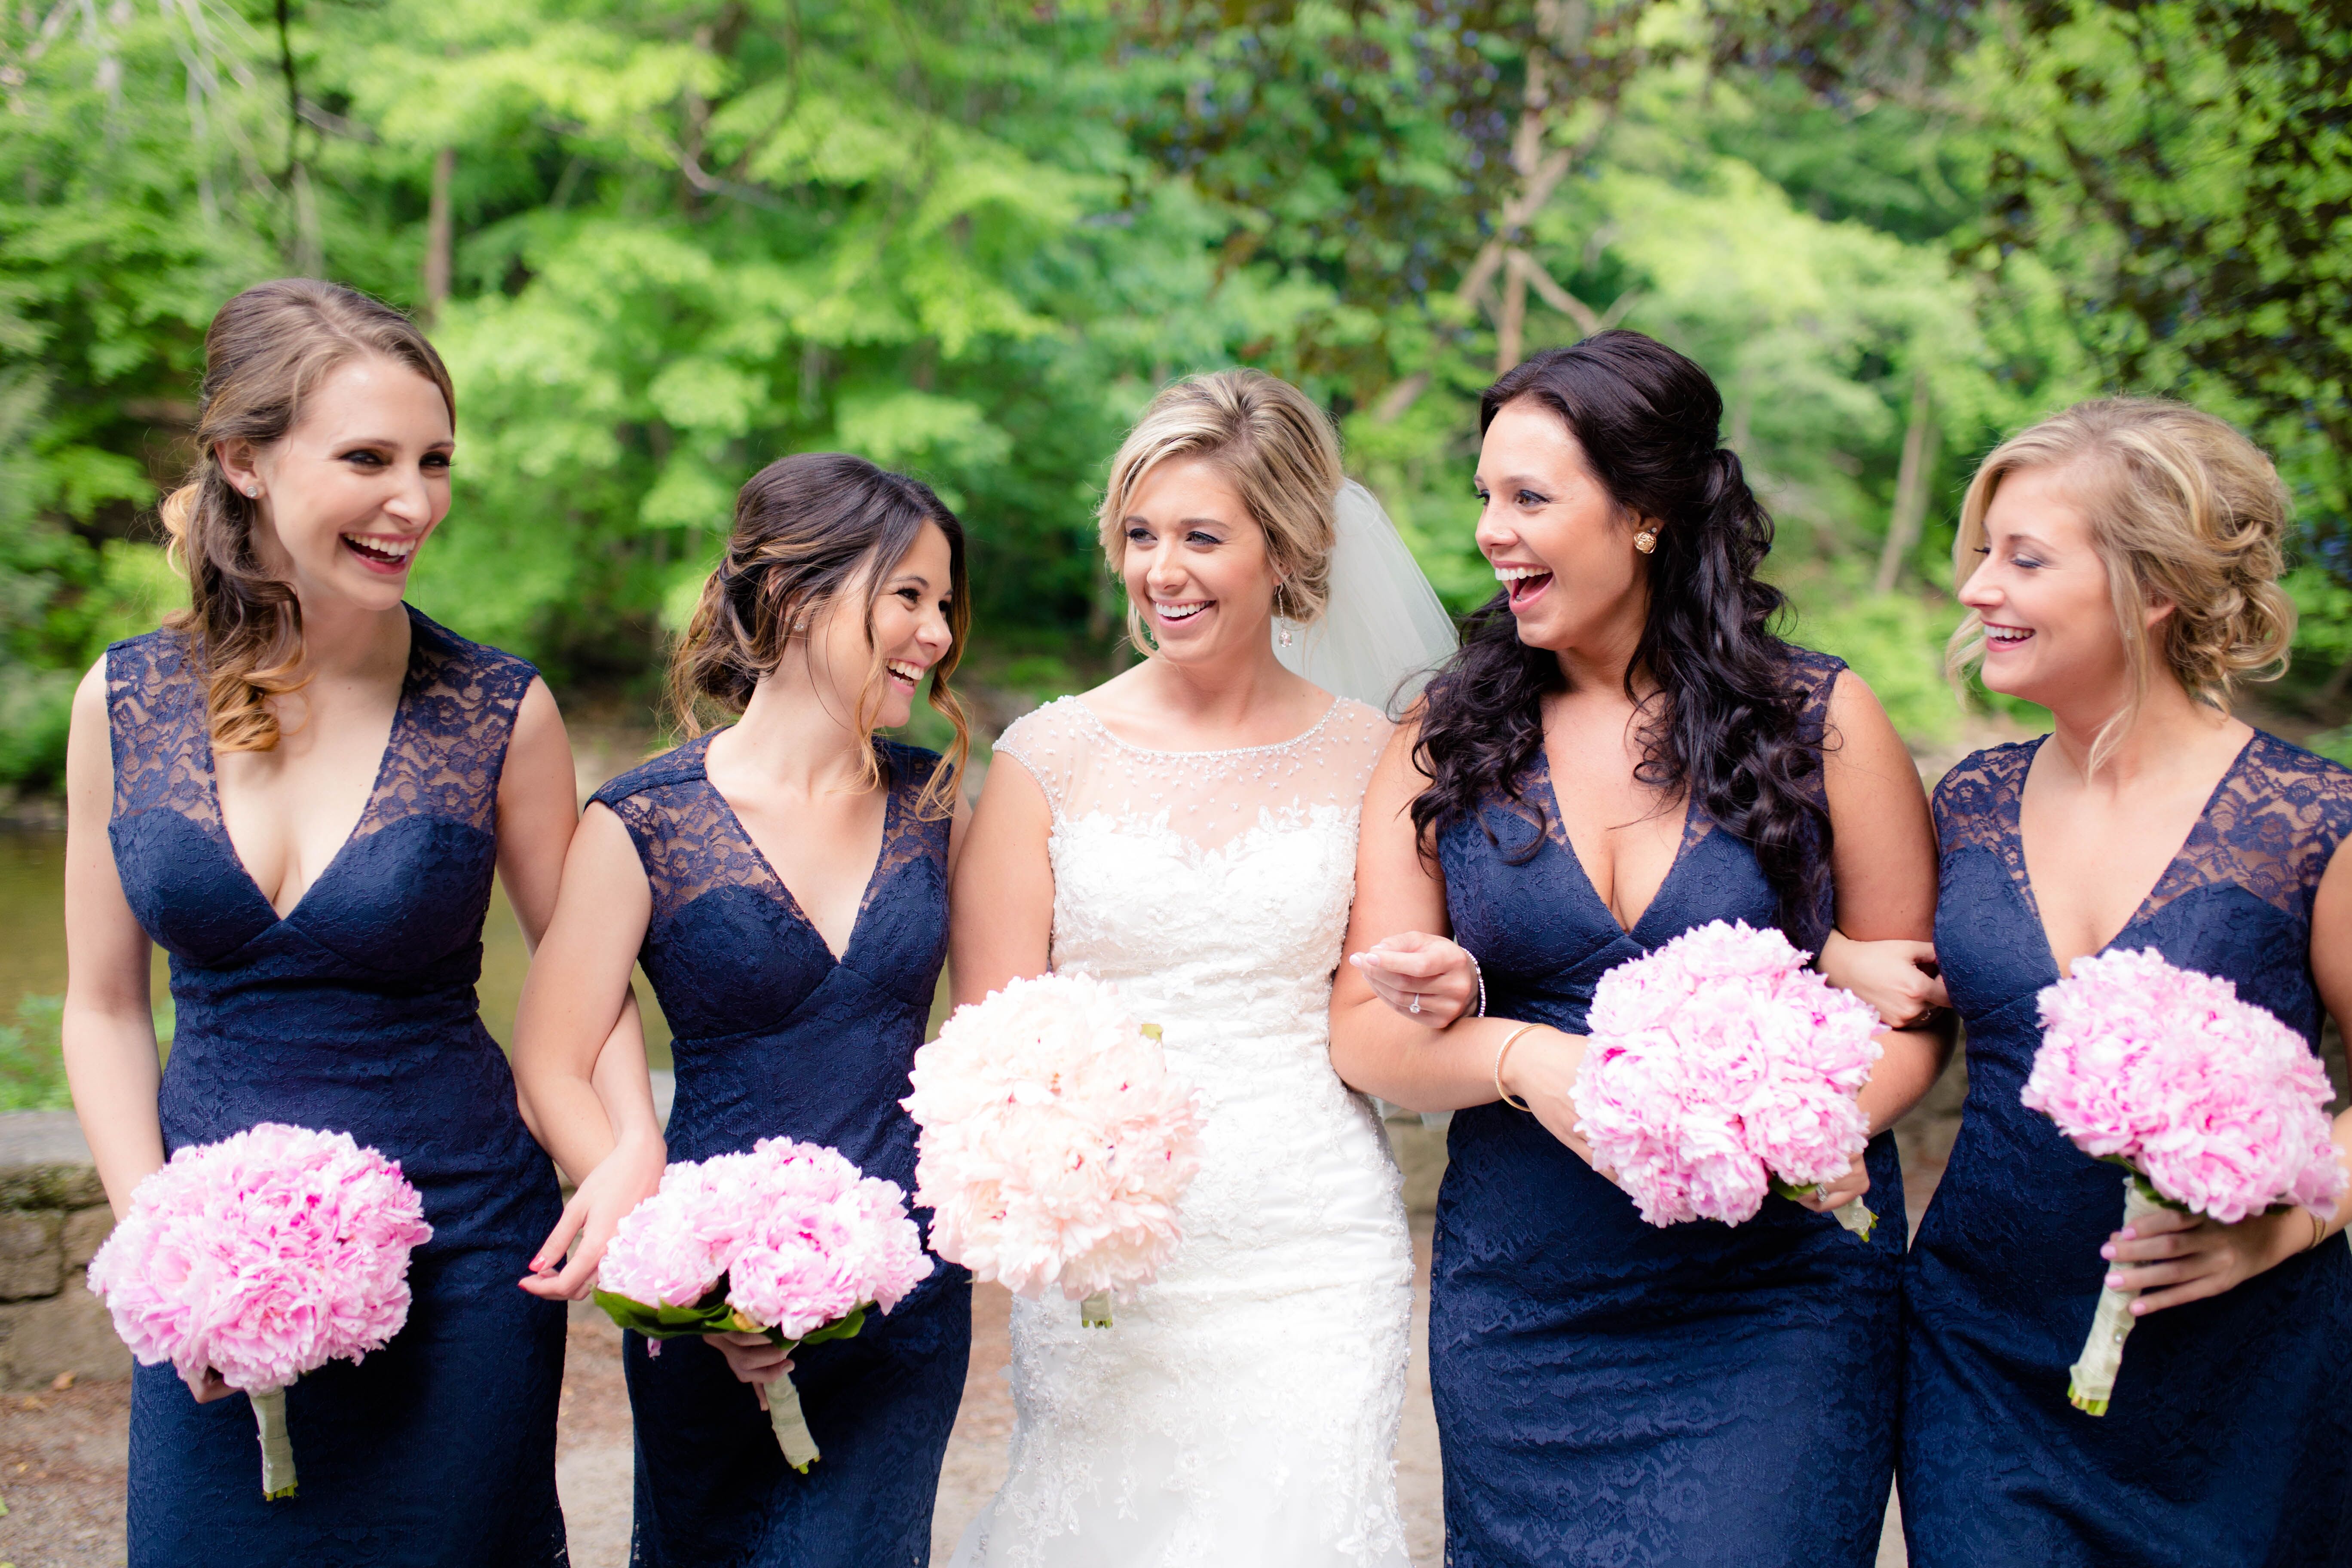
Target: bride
pixel 1188 831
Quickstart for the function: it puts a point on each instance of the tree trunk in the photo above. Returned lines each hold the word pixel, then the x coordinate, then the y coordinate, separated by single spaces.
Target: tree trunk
pixel 1910 487
pixel 438 228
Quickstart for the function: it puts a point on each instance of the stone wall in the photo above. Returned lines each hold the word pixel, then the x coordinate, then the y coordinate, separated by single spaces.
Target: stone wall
pixel 53 1215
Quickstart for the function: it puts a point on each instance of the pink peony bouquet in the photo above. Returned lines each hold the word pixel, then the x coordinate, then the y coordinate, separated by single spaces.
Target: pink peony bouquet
pixel 2214 1106
pixel 261 1258
pixel 1719 1068
pixel 1055 1143
pixel 789 1240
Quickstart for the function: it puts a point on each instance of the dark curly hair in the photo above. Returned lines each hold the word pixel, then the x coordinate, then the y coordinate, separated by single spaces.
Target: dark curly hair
pixel 1725 723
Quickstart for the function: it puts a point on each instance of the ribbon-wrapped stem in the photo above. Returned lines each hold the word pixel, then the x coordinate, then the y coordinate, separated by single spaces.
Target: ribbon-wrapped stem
pixel 277 1447
pixel 790 1425
pixel 2093 1381
pixel 1095 1311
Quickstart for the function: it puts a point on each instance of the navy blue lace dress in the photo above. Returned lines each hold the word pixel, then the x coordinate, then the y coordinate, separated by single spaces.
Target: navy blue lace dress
pixel 2228 1440
pixel 775 1037
pixel 1610 1392
pixel 354 1014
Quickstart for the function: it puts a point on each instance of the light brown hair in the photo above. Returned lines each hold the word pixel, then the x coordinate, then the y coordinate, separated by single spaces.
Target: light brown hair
pixel 1278 449
pixel 808 529
pixel 266 353
pixel 2183 510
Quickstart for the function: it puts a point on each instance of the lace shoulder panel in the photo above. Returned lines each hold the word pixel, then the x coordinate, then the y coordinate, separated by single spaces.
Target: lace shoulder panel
pixel 2272 829
pixel 1815 675
pixel 1976 802
pixel 687 838
pixel 908 834
pixel 449 747
pixel 155 723
pixel 1048 742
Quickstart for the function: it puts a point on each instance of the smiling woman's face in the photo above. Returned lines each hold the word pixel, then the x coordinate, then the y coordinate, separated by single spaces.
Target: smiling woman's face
pixel 1196 565
pixel 1559 541
pixel 2043 592
pixel 347 496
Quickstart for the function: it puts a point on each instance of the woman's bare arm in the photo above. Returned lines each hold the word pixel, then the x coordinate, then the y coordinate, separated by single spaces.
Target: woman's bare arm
pixel 109 1037
pixel 1883 860
pixel 1401 909
pixel 1001 901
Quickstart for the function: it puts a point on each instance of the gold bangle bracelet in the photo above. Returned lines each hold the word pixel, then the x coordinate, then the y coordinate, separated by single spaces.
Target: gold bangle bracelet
pixel 2318 1230
pixel 1508 1041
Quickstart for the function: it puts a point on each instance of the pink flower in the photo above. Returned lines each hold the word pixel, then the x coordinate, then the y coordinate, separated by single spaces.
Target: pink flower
pixel 263 1256
pixel 801 1236
pixel 2219 1104
pixel 1717 1062
pixel 1055 1143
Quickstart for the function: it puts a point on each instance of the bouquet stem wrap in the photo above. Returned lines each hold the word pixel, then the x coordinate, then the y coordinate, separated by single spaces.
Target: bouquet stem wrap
pixel 792 1434
pixel 1094 1312
pixel 277 1448
pixel 2092 1378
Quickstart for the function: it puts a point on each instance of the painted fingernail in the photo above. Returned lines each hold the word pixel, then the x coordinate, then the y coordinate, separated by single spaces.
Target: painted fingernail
pixel 2108 1251
pixel 2128 1234
pixel 2115 1280
pixel 2139 1309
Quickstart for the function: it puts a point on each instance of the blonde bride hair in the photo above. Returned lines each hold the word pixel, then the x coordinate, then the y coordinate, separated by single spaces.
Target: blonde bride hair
pixel 2183 510
pixel 1276 447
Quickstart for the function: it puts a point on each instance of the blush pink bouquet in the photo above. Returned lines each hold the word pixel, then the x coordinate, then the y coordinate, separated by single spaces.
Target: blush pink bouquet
pixel 2213 1105
pixel 1055 1143
pixel 1718 1068
pixel 787 1239
pixel 261 1258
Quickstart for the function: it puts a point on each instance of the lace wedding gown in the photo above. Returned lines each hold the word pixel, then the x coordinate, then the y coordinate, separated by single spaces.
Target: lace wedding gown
pixel 1244 1410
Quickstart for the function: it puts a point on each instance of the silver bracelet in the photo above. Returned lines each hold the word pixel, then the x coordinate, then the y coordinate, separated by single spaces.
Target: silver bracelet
pixel 1480 976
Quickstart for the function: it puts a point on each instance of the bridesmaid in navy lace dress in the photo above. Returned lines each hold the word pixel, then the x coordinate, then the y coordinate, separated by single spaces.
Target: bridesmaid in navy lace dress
pixel 2159 822
pixel 306 812
pixel 784 883
pixel 1622 751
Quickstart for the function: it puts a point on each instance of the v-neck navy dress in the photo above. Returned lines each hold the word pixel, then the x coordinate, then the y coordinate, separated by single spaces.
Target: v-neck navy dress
pixel 2229 1441
pixel 354 1014
pixel 776 1038
pixel 1610 1392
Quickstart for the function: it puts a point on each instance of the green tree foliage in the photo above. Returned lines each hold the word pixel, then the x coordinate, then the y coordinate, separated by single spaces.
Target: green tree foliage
pixel 661 244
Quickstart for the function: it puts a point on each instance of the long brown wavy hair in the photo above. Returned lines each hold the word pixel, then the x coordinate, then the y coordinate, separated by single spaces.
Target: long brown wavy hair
pixel 808 529
pixel 266 353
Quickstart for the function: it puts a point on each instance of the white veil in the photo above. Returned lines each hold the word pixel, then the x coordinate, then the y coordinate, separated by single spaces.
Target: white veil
pixel 1382 631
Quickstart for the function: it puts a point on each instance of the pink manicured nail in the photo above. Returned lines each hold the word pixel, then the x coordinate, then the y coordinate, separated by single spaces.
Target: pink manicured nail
pixel 2108 1251
pixel 2128 1234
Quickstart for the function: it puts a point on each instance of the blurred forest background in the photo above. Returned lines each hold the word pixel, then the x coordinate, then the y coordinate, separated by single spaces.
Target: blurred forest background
pixel 660 243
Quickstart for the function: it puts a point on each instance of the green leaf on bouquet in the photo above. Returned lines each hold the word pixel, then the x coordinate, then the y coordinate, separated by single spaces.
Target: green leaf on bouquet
pixel 839 1329
pixel 711 1315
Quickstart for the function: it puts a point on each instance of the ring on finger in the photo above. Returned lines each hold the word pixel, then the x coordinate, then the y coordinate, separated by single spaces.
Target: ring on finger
pixel 1416 1003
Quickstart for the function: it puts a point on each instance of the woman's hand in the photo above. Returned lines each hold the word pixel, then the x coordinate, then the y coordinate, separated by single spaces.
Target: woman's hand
pixel 754 1359
pixel 208 1387
pixel 1898 978
pixel 1430 980
pixel 2174 1258
pixel 621 1181
pixel 1836 1194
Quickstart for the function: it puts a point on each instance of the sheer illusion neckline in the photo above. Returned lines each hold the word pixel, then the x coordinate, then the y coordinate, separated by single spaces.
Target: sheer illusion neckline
pixel 790 899
pixel 400 709
pixel 2022 875
pixel 1585 878
pixel 1108 733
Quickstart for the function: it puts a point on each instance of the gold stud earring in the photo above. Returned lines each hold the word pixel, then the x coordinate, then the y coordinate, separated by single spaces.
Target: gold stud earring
pixel 1646 541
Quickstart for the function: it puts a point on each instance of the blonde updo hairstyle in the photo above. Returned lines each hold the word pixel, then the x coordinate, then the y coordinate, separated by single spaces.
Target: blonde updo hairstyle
pixel 1280 453
pixel 809 529
pixel 2183 510
pixel 266 352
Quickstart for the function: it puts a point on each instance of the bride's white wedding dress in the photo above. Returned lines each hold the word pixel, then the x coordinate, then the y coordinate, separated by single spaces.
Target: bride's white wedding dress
pixel 1242 1412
